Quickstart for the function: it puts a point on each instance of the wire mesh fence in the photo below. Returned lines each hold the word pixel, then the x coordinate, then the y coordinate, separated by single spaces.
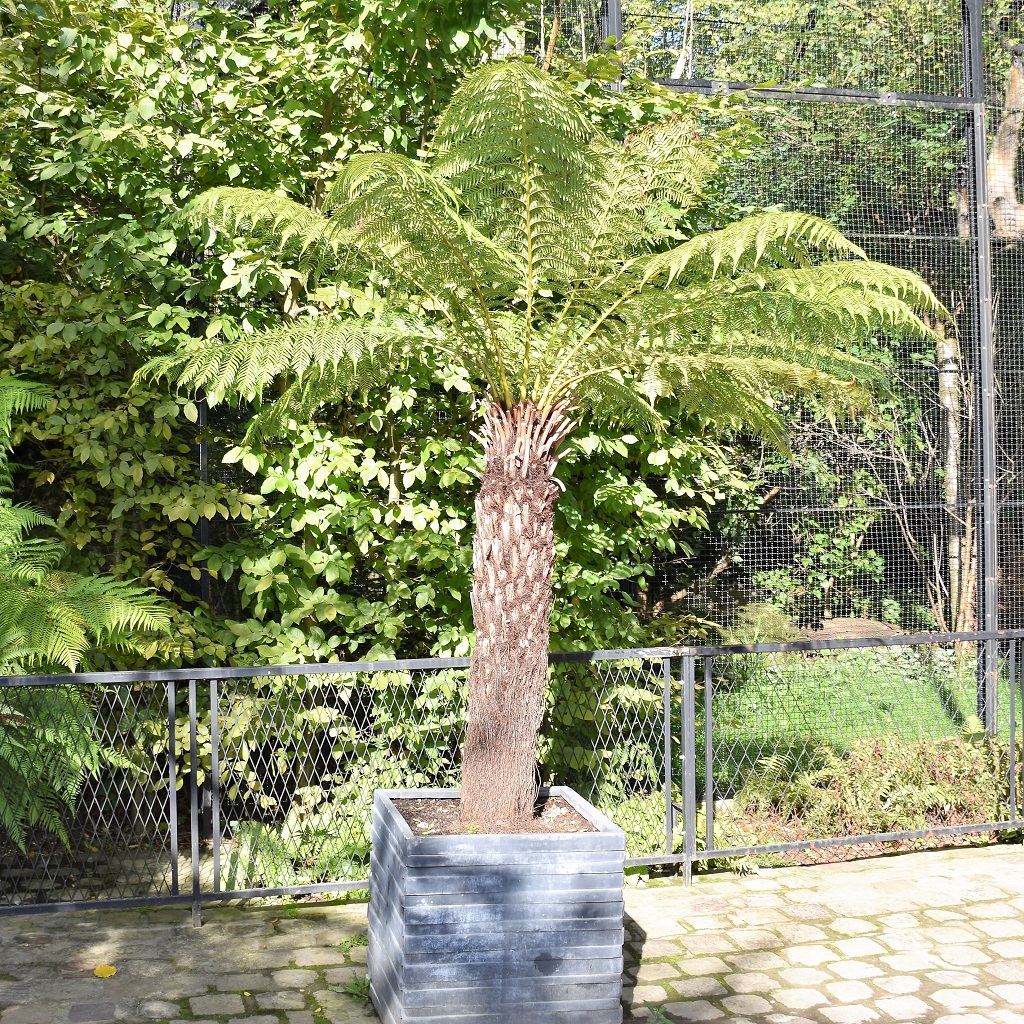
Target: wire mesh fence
pixel 215 784
pixel 226 782
pixel 900 124
pixel 86 777
pixel 909 48
pixel 798 747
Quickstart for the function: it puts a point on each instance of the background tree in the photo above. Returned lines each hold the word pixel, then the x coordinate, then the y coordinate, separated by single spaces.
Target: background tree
pixel 525 249
pixel 110 116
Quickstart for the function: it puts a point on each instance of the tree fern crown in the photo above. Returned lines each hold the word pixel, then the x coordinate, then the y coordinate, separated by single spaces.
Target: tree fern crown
pixel 545 259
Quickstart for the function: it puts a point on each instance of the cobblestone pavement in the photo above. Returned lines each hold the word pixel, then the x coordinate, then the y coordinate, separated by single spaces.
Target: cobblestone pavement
pixel 927 937
pixel 936 936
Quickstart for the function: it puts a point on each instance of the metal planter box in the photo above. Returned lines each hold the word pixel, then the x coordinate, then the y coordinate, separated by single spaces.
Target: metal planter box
pixel 495 929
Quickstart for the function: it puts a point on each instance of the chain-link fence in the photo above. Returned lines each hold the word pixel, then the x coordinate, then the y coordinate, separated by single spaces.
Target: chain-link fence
pixel 801 752
pixel 182 786
pixel 186 786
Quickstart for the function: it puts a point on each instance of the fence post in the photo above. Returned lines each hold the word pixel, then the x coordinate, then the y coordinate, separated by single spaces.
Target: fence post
pixel 172 783
pixel 689 728
pixel 613 19
pixel 988 591
pixel 197 910
pixel 215 782
pixel 1015 668
pixel 709 767
pixel 666 681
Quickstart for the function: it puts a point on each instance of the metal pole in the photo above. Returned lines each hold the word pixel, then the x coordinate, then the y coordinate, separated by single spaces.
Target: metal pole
pixel 204 476
pixel 709 778
pixel 613 19
pixel 197 910
pixel 215 781
pixel 1014 669
pixel 172 783
pixel 689 768
pixel 666 679
pixel 989 591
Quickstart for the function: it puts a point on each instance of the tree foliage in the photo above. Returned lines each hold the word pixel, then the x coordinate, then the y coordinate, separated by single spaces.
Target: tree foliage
pixel 111 116
pixel 532 252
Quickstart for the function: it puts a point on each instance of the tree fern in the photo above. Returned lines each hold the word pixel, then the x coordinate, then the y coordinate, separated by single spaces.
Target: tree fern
pixel 522 207
pixel 545 259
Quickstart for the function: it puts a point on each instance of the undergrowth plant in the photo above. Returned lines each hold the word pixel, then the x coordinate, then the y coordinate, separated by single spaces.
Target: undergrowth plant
pixel 52 620
pixel 882 785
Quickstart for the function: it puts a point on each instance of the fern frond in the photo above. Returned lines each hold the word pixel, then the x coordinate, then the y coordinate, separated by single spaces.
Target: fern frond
pixel 676 167
pixel 778 239
pixel 17 396
pixel 513 143
pixel 342 345
pixel 312 241
pixel 528 246
pixel 611 398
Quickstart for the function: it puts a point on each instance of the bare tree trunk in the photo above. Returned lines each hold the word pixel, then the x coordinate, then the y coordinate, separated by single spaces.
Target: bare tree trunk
pixel 948 359
pixel 513 558
pixel 556 25
pixel 1007 211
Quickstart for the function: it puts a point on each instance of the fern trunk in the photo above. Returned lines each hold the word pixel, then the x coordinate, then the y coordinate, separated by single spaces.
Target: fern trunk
pixel 513 558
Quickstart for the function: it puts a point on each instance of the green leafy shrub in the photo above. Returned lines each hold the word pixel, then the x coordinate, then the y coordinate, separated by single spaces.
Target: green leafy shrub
pixel 882 785
pixel 52 620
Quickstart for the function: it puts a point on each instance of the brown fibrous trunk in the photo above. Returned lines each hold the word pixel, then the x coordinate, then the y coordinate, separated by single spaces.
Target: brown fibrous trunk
pixel 513 559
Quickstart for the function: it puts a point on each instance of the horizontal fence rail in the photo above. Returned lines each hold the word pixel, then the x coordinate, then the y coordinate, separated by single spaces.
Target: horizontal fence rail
pixel 195 785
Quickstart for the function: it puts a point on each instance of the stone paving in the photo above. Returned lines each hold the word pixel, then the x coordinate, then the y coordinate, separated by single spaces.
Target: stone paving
pixel 926 937
pixel 935 936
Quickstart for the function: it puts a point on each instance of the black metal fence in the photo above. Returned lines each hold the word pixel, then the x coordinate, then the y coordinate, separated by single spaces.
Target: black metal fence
pixel 188 786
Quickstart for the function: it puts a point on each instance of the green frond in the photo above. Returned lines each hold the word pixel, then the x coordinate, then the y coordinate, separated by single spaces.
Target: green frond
pixel 330 384
pixel 820 282
pixel 676 167
pixel 776 239
pixel 344 345
pixel 726 309
pixel 404 216
pixel 297 233
pixel 513 143
pixel 17 396
pixel 608 397
pixel 528 245
pixel 51 619
pixel 16 521
pixel 49 746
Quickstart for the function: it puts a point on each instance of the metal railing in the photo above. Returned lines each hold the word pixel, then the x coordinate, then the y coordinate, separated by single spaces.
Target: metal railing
pixel 210 784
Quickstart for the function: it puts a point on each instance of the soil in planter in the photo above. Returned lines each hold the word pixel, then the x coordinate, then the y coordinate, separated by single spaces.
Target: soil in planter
pixel 433 817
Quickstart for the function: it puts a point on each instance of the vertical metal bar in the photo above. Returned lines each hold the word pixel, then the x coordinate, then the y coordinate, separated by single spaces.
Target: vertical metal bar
pixel 666 680
pixel 215 781
pixel 1013 729
pixel 689 768
pixel 204 476
pixel 613 19
pixel 989 534
pixel 172 784
pixel 197 918
pixel 612 13
pixel 709 778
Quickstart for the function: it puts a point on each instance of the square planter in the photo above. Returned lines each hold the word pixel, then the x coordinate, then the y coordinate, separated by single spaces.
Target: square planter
pixel 495 929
